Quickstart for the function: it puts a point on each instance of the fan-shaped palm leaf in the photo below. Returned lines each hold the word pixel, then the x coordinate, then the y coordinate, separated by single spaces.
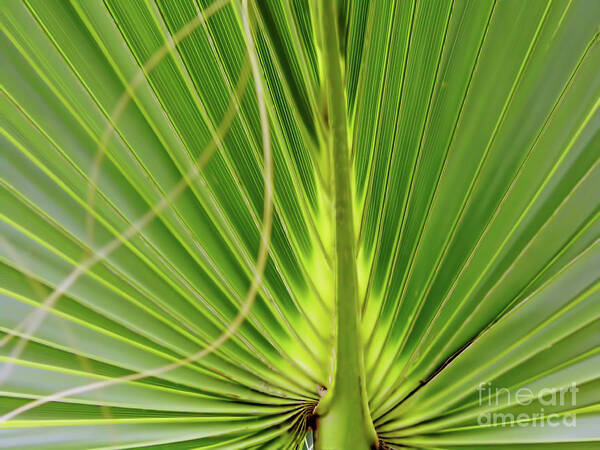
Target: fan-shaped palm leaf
pixel 285 224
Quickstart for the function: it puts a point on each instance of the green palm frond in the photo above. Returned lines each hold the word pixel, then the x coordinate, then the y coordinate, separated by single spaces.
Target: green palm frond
pixel 299 223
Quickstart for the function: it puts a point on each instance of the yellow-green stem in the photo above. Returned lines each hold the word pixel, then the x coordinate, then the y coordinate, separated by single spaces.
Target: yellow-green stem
pixel 344 421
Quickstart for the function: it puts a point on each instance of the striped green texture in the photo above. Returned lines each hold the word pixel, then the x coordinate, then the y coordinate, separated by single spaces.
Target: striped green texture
pixel 244 224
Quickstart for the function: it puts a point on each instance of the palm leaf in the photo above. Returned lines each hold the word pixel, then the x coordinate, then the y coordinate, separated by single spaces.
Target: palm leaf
pixel 264 224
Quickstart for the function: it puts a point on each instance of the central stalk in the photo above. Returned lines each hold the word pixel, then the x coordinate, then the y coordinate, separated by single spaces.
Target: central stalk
pixel 344 421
